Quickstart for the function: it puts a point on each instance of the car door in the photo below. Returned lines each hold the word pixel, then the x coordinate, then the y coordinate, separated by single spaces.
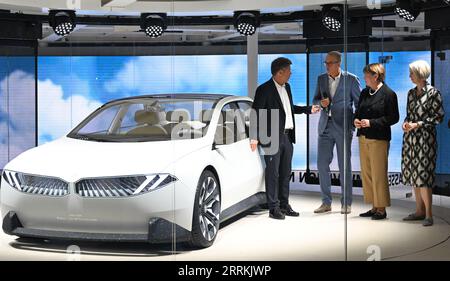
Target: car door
pixel 239 166
pixel 255 160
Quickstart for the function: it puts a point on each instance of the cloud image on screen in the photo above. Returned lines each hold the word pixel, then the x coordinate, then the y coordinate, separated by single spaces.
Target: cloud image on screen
pixel 69 88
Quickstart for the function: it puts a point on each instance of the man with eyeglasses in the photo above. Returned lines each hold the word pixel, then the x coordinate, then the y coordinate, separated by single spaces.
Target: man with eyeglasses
pixel 337 93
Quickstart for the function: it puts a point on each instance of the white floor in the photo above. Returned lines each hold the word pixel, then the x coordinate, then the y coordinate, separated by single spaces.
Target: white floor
pixel 253 236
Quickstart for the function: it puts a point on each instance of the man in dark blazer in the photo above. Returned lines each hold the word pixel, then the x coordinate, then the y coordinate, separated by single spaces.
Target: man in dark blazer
pixel 274 97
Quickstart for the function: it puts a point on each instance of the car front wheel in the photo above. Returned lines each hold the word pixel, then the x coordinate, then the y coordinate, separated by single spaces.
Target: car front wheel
pixel 206 211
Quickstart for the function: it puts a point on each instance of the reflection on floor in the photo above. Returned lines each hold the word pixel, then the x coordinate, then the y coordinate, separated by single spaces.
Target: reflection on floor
pixel 253 236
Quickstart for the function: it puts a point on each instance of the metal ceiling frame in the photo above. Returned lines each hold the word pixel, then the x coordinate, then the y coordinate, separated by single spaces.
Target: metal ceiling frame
pixel 266 18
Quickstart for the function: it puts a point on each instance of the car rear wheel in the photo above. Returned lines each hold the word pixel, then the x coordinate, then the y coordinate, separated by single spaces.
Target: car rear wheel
pixel 205 221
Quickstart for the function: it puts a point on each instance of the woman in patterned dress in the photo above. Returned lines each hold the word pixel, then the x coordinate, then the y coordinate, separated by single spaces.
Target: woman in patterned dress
pixel 424 112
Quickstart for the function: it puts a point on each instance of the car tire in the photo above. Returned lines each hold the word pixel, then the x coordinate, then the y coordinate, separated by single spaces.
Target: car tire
pixel 206 214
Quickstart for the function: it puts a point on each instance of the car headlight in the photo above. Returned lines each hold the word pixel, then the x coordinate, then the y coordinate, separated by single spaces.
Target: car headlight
pixel 13 179
pixel 123 186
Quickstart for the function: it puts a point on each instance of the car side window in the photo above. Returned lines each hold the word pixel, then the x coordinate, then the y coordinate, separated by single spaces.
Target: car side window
pixel 245 108
pixel 231 126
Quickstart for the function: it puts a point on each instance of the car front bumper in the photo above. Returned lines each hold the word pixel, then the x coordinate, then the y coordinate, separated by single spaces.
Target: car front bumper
pixel 153 217
pixel 159 231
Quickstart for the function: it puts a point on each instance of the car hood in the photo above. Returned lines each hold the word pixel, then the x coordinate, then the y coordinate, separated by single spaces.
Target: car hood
pixel 73 159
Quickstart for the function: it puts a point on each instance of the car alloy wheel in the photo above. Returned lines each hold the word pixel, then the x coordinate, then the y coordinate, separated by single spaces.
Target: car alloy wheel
pixel 209 206
pixel 206 215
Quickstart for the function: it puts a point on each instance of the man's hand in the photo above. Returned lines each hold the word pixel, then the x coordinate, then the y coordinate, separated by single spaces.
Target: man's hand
pixel 357 123
pixel 325 102
pixel 315 109
pixel 365 123
pixel 253 145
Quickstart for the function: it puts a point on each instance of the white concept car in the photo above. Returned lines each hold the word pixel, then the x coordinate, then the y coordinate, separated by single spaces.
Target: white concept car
pixel 156 168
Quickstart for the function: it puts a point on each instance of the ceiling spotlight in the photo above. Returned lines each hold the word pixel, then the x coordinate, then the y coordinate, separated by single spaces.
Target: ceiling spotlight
pixel 447 2
pixel 332 17
pixel 406 10
pixel 153 25
pixel 246 22
pixel 62 21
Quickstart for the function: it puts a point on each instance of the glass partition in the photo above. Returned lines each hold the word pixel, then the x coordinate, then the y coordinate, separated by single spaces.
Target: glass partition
pixel 231 177
pixel 104 104
pixel 405 60
pixel 207 131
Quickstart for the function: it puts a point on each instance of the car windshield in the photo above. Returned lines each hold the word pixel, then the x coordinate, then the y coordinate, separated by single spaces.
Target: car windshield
pixel 147 119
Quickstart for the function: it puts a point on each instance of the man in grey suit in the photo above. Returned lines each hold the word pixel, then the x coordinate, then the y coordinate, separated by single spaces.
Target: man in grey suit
pixel 338 94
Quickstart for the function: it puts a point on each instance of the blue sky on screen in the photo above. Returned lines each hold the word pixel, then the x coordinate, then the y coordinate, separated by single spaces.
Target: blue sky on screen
pixel 69 88
pixel 397 78
pixel 72 87
pixel 81 84
pixel 17 110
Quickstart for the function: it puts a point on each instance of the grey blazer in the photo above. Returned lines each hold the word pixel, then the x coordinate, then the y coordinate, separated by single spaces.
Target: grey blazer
pixel 344 103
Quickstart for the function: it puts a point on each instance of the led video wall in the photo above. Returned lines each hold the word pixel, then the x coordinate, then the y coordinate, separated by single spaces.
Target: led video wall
pixel 17 106
pixel 71 87
pixel 397 78
pixel 442 82
pixel 355 64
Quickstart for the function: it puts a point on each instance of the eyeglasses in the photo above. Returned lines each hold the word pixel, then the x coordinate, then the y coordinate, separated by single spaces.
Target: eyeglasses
pixel 329 62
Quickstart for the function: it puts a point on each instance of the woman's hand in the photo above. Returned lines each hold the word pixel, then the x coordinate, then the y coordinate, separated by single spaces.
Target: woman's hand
pixel 357 123
pixel 413 126
pixel 405 127
pixel 365 123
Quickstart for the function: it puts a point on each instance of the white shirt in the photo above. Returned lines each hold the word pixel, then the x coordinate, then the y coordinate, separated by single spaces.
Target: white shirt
pixel 333 84
pixel 289 124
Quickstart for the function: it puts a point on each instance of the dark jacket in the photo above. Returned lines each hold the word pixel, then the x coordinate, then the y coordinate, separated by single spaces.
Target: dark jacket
pixel 267 97
pixel 382 111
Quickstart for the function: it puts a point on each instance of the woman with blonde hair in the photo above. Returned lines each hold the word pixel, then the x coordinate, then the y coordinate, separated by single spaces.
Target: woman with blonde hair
pixel 424 111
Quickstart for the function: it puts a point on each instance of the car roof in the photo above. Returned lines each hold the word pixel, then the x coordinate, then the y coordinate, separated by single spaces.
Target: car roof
pixel 215 97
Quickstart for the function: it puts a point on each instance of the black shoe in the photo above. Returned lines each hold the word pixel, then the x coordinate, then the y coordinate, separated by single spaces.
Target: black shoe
pixel 288 211
pixel 379 216
pixel 367 214
pixel 276 214
pixel 264 206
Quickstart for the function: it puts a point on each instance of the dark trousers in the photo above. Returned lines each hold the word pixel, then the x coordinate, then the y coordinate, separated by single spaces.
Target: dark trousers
pixel 278 174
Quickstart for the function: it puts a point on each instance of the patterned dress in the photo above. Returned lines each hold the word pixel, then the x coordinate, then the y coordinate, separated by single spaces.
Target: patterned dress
pixel 419 150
